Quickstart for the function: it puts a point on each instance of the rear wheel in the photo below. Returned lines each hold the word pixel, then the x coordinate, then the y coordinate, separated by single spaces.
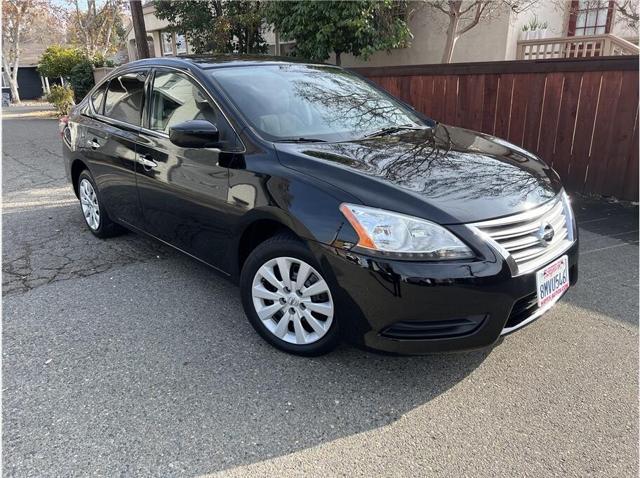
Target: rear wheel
pixel 94 214
pixel 287 298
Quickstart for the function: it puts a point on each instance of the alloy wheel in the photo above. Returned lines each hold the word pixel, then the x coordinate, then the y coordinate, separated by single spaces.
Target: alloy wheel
pixel 89 202
pixel 292 300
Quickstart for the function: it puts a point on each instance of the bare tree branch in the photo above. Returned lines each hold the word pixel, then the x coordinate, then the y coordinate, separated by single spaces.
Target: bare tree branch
pixel 464 15
pixel 629 11
pixel 480 8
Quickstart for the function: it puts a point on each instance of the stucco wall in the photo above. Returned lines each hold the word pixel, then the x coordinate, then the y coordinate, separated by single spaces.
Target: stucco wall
pixel 485 42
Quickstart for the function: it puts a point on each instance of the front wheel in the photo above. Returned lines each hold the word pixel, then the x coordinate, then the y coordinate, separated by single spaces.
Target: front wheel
pixel 287 299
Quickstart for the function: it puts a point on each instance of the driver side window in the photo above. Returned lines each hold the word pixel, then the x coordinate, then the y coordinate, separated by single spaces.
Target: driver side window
pixel 175 99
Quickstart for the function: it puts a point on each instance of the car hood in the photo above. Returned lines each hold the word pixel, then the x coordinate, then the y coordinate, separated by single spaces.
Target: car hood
pixel 445 174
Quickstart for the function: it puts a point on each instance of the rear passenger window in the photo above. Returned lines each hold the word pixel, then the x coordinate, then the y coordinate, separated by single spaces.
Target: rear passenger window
pixel 125 96
pixel 97 98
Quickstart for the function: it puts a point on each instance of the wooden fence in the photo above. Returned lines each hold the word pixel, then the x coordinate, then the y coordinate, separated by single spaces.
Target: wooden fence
pixel 580 116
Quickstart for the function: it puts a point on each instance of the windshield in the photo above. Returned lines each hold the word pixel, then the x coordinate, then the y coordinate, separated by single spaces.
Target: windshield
pixel 294 102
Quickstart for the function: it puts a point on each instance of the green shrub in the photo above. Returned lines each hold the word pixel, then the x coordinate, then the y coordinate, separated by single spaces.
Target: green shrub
pixel 61 97
pixel 58 61
pixel 81 79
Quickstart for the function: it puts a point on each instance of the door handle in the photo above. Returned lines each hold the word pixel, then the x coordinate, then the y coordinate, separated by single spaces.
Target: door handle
pixel 93 143
pixel 146 161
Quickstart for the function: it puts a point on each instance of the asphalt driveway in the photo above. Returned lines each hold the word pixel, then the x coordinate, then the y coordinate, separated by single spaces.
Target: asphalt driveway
pixel 123 357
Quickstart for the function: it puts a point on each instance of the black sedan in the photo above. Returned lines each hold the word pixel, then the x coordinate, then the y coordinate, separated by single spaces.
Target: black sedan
pixel 342 212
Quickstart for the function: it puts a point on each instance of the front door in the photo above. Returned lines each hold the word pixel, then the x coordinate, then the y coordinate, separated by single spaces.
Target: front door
pixel 183 191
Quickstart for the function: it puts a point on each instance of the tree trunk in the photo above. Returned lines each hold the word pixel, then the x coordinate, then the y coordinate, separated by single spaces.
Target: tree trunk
pixel 137 17
pixel 452 38
pixel 107 41
pixel 338 58
pixel 13 83
pixel 450 46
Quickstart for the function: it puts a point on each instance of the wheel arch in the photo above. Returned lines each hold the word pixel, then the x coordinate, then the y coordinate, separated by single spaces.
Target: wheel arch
pixel 260 225
pixel 76 168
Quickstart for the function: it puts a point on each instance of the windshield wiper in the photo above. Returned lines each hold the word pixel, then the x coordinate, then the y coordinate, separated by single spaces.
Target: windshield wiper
pixel 393 129
pixel 301 140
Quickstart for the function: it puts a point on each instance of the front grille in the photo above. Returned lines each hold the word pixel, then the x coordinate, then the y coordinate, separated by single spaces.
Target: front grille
pixel 521 236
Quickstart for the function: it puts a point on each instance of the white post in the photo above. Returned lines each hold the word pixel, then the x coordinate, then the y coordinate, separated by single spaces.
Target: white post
pixel 46 82
pixel 277 50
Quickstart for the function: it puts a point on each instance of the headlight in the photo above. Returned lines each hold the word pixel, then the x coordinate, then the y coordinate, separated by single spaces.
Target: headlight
pixel 390 233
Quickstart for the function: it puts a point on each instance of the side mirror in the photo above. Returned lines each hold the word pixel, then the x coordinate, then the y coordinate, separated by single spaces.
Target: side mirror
pixel 195 134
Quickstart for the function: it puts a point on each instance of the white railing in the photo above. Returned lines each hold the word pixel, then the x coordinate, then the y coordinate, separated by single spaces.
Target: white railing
pixel 587 46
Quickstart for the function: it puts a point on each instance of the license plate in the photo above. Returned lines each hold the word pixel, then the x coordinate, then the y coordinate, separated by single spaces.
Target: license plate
pixel 552 281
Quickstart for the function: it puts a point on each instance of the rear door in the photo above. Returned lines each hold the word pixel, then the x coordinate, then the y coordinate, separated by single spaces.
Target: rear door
pixel 183 191
pixel 109 143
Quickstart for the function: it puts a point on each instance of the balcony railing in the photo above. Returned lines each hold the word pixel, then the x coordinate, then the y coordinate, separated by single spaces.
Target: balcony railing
pixel 586 46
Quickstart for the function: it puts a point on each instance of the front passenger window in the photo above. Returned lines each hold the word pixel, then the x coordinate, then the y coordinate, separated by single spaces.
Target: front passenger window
pixel 125 96
pixel 175 99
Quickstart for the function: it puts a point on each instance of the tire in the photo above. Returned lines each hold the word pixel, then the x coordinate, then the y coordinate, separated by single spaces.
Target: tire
pixel 93 211
pixel 300 320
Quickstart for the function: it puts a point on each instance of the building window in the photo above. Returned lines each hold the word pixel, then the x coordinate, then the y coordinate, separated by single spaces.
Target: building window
pixel 590 17
pixel 181 44
pixel 167 43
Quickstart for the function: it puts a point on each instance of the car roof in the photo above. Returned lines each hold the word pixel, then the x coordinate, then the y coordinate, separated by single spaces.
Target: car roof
pixel 207 62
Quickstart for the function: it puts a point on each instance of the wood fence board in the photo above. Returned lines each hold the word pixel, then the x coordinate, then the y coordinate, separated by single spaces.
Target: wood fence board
pixel 470 101
pixel 416 92
pixel 439 89
pixel 589 93
pixel 521 93
pixel 535 98
pixel 404 88
pixel 622 135
pixel 566 124
pixel 503 106
pixel 491 84
pixel 604 127
pixel 427 100
pixel 631 178
pixel 451 100
pixel 549 119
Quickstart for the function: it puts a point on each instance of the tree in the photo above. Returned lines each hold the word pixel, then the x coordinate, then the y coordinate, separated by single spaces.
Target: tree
pixel 216 25
pixel 628 12
pixel 358 27
pixel 18 16
pixel 58 61
pixel 99 28
pixel 81 78
pixel 463 15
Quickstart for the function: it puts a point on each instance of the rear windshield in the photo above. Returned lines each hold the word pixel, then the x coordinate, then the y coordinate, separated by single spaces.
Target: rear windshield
pixel 318 102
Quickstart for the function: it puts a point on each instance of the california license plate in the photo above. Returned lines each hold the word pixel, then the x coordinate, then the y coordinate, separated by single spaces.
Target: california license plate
pixel 552 281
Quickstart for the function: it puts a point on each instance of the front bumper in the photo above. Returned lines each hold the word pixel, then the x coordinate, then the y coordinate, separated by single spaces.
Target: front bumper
pixel 415 307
